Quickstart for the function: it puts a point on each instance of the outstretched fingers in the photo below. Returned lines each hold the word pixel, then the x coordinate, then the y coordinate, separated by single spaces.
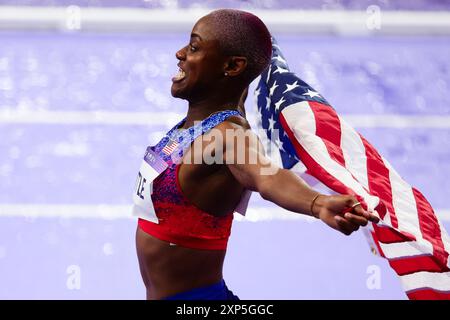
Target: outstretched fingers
pixel 355 208
pixel 356 219
pixel 359 210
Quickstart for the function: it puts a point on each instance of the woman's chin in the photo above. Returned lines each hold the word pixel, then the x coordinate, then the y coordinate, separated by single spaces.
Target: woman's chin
pixel 178 90
pixel 175 91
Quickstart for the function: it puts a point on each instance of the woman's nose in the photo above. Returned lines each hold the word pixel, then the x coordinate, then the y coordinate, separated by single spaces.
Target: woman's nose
pixel 181 54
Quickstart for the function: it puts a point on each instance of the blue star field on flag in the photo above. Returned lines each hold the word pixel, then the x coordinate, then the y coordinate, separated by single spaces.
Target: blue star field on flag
pixel 278 88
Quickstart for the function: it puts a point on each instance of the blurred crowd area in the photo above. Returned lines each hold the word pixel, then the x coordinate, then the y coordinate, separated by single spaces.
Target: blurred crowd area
pixel 132 72
pixel 128 73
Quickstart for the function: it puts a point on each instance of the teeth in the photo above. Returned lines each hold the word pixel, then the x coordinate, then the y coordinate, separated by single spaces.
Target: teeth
pixel 180 75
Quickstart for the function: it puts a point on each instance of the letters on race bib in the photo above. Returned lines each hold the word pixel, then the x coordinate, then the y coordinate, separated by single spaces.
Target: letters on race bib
pixel 151 167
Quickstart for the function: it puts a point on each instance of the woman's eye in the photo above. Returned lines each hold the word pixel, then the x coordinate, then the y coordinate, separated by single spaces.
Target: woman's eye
pixel 192 48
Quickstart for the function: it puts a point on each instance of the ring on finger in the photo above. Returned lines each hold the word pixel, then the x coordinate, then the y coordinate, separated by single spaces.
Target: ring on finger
pixel 356 204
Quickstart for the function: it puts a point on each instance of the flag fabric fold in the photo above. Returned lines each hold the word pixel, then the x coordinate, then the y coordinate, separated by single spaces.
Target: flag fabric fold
pixel 306 129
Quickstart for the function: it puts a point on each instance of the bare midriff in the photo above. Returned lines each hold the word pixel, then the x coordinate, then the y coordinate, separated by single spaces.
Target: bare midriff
pixel 170 269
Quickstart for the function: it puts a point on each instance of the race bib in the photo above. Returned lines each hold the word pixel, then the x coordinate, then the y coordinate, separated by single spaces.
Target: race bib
pixel 151 167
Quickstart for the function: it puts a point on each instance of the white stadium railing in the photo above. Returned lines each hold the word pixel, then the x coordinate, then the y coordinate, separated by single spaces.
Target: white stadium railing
pixel 372 21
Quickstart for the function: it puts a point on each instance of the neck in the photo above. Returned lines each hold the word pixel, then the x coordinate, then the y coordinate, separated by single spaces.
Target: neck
pixel 202 109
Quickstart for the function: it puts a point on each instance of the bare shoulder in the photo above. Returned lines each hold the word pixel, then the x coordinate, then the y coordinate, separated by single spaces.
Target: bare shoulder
pixel 236 132
pixel 234 122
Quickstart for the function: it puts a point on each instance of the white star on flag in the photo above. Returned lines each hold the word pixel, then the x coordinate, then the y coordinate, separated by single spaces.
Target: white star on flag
pixel 270 70
pixel 279 58
pixel 290 87
pixel 271 124
pixel 279 103
pixel 280 70
pixel 272 90
pixel 268 101
pixel 311 94
pixel 277 141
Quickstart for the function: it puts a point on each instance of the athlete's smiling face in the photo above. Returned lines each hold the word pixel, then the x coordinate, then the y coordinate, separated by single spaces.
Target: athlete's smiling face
pixel 201 64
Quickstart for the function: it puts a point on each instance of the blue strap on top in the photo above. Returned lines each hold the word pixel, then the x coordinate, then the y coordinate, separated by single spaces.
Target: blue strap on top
pixel 185 137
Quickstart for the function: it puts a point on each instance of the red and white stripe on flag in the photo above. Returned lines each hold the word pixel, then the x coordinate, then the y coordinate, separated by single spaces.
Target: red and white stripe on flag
pixel 409 235
pixel 170 147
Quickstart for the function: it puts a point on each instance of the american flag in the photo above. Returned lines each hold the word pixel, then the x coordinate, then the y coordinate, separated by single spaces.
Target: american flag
pixel 306 129
pixel 170 147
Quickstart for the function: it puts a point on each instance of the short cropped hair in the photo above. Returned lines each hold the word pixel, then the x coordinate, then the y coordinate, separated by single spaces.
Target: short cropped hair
pixel 242 33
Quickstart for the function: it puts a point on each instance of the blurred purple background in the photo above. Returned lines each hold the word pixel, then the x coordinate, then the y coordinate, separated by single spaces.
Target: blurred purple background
pixel 58 172
pixel 262 4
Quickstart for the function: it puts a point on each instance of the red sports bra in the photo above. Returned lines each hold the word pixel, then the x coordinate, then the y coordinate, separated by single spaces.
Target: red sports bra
pixel 180 221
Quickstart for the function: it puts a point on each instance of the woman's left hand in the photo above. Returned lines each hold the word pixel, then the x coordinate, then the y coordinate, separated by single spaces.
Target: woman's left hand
pixel 343 213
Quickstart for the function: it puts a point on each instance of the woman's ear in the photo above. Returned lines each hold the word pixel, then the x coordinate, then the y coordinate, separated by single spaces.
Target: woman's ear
pixel 235 66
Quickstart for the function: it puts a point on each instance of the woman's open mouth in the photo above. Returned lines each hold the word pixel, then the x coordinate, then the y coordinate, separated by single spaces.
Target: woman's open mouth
pixel 179 76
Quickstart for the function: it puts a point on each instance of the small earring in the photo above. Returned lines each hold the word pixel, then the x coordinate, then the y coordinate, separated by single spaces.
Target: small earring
pixel 226 74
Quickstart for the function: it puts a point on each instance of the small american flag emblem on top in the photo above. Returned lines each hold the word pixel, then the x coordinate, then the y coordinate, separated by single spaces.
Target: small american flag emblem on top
pixel 170 147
